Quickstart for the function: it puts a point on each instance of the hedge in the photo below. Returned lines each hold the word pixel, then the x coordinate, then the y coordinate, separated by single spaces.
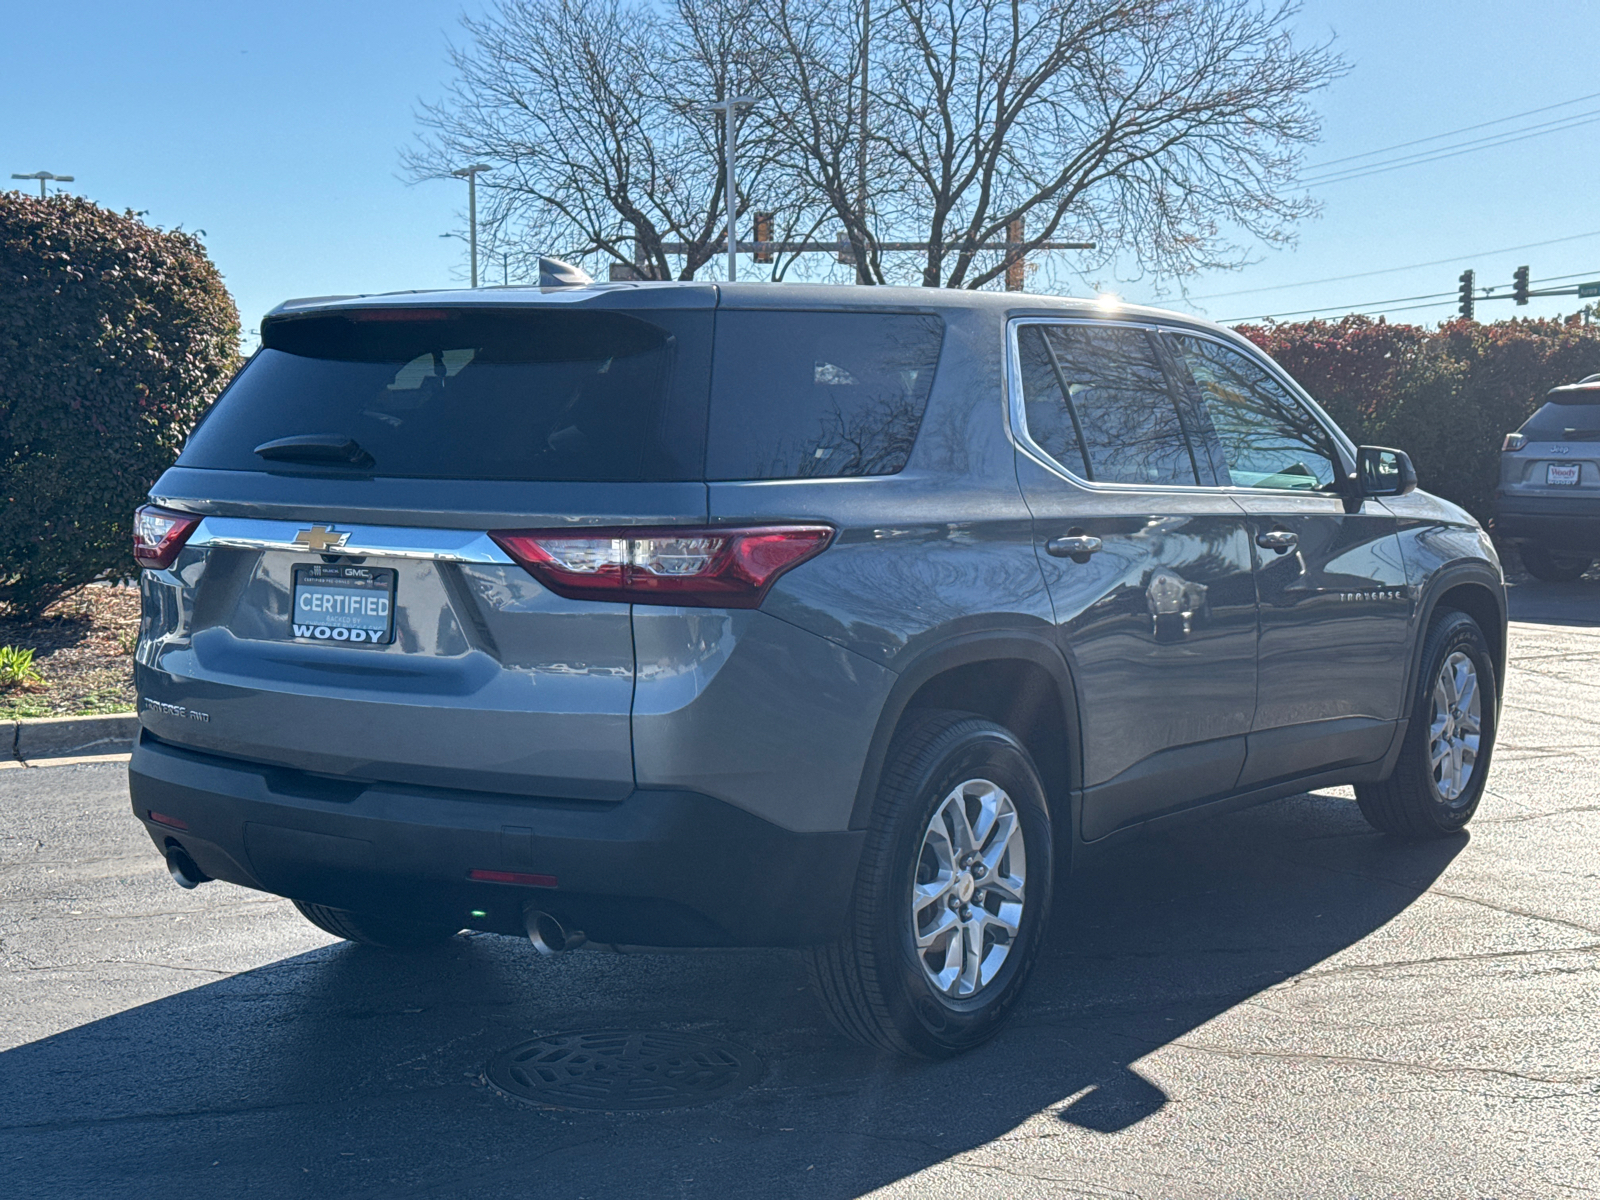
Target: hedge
pixel 114 336
pixel 1446 396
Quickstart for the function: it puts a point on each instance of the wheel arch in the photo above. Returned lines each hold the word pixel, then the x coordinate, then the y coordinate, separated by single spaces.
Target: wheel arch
pixel 1016 680
pixel 1474 589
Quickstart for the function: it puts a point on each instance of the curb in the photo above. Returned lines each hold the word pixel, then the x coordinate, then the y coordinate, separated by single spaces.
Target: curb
pixel 61 737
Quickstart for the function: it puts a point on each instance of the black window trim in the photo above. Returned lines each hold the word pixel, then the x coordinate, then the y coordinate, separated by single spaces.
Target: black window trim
pixel 1017 418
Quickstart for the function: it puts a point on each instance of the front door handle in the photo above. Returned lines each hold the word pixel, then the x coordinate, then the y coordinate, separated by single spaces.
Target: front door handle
pixel 1076 546
pixel 1280 541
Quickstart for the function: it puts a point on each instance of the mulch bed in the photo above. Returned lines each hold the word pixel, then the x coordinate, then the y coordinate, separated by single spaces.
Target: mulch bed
pixel 83 646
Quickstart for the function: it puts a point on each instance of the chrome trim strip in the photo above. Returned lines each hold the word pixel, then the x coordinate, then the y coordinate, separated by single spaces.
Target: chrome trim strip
pixel 1017 415
pixel 381 541
pixel 1017 419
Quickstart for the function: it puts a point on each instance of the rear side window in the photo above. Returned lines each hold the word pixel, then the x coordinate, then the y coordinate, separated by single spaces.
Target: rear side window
pixel 1563 423
pixel 469 394
pixel 800 395
pixel 1097 401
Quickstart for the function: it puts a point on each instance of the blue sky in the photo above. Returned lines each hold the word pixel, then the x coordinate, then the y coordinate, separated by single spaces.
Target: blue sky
pixel 276 129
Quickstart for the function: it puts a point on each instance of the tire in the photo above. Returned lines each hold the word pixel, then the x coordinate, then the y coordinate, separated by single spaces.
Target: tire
pixel 1419 800
pixel 875 985
pixel 368 929
pixel 1550 568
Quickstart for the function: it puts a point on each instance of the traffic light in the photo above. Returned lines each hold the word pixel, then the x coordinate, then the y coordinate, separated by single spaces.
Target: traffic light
pixel 1519 284
pixel 763 234
pixel 1466 294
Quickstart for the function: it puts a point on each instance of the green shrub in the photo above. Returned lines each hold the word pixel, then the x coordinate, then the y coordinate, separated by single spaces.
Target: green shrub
pixel 16 667
pixel 114 336
pixel 1447 397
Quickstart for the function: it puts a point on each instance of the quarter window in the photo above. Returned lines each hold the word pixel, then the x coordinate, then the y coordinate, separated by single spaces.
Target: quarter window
pixel 1096 400
pixel 801 395
pixel 1268 438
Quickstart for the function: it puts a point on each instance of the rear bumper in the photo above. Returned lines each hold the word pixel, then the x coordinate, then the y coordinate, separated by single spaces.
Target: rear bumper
pixel 1557 523
pixel 663 868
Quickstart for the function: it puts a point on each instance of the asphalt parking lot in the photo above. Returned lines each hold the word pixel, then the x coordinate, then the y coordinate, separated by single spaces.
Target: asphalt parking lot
pixel 1276 1003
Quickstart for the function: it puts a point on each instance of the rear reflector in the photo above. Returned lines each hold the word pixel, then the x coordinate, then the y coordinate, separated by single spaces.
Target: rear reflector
pixel 158 535
pixel 516 877
pixel 707 567
pixel 169 822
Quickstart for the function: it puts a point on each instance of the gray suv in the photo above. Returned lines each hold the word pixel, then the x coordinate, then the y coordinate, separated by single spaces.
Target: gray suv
pixel 1548 501
pixel 753 615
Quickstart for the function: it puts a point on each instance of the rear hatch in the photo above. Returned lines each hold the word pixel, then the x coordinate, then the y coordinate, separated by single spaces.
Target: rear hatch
pixel 339 608
pixel 1555 455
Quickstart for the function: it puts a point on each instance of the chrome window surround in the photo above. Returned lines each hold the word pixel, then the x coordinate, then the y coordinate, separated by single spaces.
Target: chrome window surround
pixel 380 541
pixel 1016 412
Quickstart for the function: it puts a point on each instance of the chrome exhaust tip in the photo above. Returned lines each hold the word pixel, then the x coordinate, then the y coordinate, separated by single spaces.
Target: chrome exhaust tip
pixel 548 935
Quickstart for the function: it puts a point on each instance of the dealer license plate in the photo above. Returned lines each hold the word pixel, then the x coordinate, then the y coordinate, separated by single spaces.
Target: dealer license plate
pixel 1562 474
pixel 353 606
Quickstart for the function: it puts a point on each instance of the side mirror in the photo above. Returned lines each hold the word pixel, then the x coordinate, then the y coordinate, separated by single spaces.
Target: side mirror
pixel 1384 472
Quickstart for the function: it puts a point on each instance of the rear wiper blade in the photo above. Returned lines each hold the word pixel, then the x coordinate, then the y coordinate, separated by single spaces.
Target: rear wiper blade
pixel 334 448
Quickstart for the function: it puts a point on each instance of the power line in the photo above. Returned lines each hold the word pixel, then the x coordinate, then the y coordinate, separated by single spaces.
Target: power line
pixel 1576 121
pixel 1452 133
pixel 1306 312
pixel 1438 262
pixel 1575 275
pixel 1370 306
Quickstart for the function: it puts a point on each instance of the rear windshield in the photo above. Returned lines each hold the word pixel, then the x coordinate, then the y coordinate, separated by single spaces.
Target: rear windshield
pixel 818 394
pixel 469 394
pixel 1564 423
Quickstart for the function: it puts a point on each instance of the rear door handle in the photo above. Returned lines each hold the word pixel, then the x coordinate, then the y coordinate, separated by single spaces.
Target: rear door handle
pixel 1279 540
pixel 1076 546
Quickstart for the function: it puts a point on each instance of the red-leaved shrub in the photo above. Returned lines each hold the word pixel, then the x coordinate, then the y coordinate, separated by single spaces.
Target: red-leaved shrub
pixel 1447 397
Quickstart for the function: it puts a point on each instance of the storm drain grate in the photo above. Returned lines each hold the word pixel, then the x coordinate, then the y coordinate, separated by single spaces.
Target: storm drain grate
pixel 616 1070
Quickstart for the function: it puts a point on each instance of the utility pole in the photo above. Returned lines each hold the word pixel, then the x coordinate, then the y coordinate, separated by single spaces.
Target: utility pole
pixel 470 174
pixel 42 176
pixel 861 156
pixel 1016 273
pixel 729 106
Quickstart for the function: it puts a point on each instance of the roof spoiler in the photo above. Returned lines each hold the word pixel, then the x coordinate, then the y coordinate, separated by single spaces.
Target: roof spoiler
pixel 1585 391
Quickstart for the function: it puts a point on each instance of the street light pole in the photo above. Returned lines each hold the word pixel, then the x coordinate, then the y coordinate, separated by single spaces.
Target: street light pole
pixel 41 176
pixel 470 174
pixel 728 106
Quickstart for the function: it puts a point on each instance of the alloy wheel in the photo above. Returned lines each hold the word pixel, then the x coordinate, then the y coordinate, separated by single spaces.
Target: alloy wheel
pixel 1456 726
pixel 968 895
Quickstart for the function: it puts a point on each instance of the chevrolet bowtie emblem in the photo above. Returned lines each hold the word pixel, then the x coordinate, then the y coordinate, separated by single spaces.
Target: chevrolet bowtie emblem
pixel 320 539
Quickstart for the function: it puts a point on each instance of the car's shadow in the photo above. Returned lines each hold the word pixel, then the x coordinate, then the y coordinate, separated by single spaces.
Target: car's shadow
pixel 348 1072
pixel 1575 603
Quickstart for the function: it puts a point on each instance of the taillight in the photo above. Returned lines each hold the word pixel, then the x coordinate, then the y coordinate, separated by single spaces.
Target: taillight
pixel 1514 441
pixel 706 567
pixel 158 535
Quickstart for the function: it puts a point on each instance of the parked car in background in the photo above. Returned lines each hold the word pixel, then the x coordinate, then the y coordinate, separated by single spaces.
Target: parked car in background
pixel 685 614
pixel 1548 502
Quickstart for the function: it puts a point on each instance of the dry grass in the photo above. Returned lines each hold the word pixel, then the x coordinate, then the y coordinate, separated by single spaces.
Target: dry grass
pixel 83 646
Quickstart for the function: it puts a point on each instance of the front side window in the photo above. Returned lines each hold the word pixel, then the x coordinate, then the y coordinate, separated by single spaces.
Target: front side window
pixel 1268 438
pixel 1097 401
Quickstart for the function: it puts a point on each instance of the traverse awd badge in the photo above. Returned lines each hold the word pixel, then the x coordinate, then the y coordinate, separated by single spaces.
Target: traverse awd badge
pixel 320 539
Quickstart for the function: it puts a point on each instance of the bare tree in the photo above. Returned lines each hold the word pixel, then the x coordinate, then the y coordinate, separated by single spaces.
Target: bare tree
pixel 593 114
pixel 1166 131
pixel 1160 129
